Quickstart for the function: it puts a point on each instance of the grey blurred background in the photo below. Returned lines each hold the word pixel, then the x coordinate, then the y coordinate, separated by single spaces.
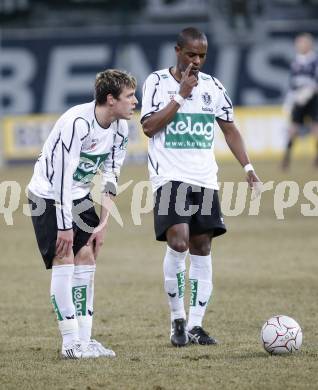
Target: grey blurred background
pixel 51 50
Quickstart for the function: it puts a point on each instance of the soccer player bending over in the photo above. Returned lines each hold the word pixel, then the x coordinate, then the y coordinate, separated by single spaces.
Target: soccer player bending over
pixel 180 106
pixel 87 138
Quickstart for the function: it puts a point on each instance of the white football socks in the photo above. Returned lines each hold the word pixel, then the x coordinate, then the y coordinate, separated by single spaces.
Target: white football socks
pixel 61 297
pixel 174 281
pixel 83 298
pixel 200 275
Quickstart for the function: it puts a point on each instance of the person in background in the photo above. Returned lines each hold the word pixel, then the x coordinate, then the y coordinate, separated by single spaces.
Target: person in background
pixel 302 98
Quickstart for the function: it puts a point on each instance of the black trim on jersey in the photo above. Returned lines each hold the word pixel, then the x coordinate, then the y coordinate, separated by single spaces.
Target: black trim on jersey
pixel 52 153
pixel 152 164
pixel 113 157
pixel 79 117
pixel 47 168
pixel 152 100
pixel 155 91
pixel 62 182
pixel 230 106
pixel 95 118
pixel 64 147
pixel 226 109
pixel 64 230
pixel 89 129
pixel 216 83
pixel 223 120
pixel 173 75
pixel 123 138
pixel 145 116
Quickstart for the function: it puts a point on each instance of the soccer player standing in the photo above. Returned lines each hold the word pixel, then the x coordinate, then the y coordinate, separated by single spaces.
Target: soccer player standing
pixel 179 108
pixel 86 139
pixel 302 97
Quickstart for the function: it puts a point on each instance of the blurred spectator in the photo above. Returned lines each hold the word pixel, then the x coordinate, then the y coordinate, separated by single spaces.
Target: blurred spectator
pixel 302 98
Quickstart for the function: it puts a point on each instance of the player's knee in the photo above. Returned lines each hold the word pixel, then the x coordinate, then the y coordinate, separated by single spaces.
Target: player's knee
pixel 200 247
pixel 63 261
pixel 178 237
pixel 178 244
pixel 85 256
pixel 204 250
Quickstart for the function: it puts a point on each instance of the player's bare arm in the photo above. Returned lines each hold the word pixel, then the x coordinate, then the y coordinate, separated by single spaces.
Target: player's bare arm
pixel 158 120
pixel 236 144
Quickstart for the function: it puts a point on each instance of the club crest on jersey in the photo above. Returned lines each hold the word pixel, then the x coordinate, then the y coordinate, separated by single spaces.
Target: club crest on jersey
pixel 207 98
pixel 93 143
pixel 89 144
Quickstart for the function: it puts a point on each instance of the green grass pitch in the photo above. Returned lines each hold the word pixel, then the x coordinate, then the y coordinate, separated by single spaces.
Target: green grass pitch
pixel 261 267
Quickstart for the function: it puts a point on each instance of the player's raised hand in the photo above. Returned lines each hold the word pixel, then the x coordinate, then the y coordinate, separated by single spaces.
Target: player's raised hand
pixel 188 82
pixel 186 73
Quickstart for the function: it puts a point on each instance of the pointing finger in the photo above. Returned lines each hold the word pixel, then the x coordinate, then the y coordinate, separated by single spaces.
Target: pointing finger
pixel 187 71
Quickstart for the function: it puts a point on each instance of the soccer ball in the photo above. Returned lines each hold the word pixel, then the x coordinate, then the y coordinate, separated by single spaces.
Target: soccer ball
pixel 281 334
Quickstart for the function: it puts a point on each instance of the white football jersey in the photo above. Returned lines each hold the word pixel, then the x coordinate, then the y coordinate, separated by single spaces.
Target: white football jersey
pixel 183 150
pixel 74 151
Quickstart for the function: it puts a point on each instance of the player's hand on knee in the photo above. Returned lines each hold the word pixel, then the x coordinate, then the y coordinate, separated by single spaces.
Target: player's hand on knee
pixel 98 244
pixel 64 243
pixel 97 240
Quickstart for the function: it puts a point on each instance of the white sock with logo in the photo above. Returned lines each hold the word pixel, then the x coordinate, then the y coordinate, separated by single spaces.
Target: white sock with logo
pixel 61 298
pixel 200 275
pixel 174 281
pixel 83 298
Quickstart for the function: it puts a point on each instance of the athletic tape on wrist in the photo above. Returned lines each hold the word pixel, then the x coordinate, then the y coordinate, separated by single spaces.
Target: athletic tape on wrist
pixel 179 99
pixel 248 167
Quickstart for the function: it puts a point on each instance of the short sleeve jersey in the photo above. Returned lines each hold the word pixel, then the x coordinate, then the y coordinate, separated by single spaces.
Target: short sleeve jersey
pixel 184 149
pixel 75 150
